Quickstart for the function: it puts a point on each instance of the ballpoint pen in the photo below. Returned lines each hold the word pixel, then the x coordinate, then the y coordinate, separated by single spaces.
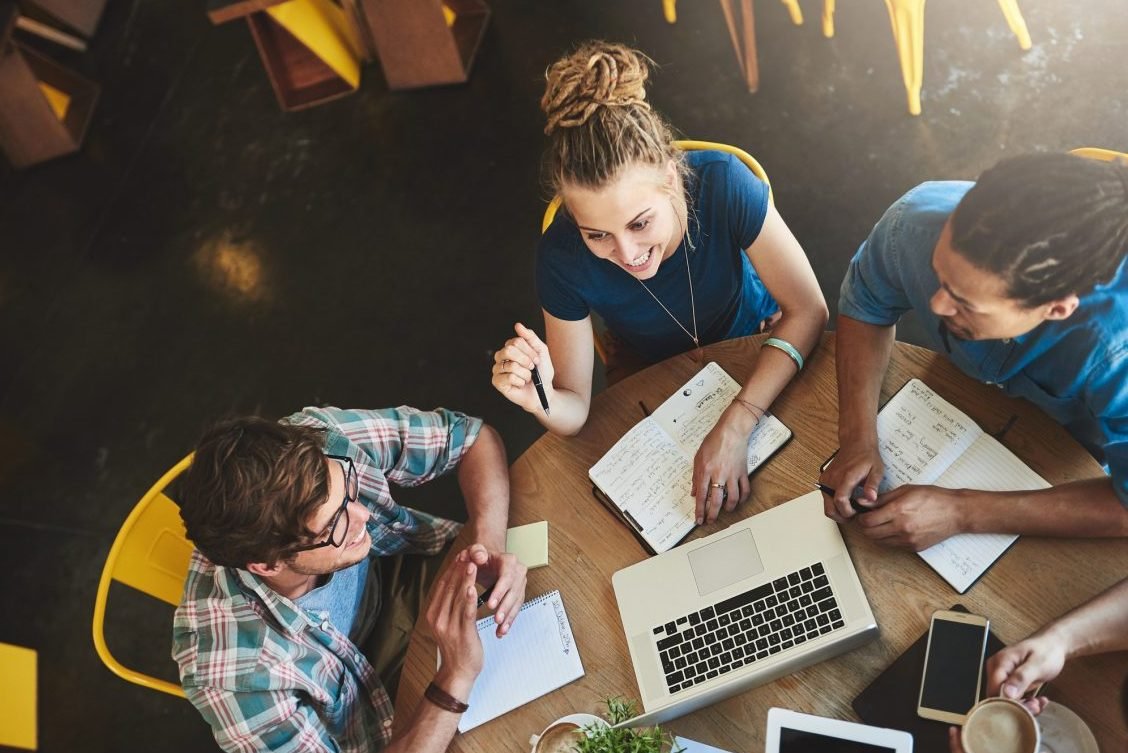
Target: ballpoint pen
pixel 858 507
pixel 540 390
pixel 485 596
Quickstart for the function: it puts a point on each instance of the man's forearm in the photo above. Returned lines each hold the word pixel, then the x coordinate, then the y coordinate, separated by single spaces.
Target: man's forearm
pixel 1088 508
pixel 431 728
pixel 483 476
pixel 862 354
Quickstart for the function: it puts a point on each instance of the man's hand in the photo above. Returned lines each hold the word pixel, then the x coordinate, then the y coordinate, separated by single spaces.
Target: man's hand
pixel 506 575
pixel 452 617
pixel 855 465
pixel 915 517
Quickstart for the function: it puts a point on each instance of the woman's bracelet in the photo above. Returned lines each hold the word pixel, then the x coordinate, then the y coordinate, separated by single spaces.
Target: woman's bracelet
pixel 750 407
pixel 787 348
pixel 443 699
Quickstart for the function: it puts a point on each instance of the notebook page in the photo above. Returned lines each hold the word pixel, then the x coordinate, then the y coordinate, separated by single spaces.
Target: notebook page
pixel 537 655
pixel 649 478
pixel 919 435
pixel 990 466
pixel 691 413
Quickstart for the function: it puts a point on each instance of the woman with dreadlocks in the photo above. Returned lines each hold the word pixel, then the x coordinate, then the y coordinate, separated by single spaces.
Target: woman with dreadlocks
pixel 1019 278
pixel 672 249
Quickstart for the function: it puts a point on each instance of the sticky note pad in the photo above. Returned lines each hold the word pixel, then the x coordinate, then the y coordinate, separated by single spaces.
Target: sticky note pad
pixel 529 543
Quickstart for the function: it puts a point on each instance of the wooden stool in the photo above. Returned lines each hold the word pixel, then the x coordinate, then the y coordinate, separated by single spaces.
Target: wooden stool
pixel 424 42
pixel 44 107
pixel 309 48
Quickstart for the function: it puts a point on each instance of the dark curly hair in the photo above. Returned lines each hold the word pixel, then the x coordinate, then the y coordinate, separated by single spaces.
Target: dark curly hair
pixel 251 488
pixel 1049 225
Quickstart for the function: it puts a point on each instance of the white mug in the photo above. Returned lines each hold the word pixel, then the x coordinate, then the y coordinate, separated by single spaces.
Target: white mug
pixel 570 722
pixel 1000 725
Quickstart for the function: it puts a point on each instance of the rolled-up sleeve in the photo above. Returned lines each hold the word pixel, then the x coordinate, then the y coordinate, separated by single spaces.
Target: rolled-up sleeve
pixel 873 290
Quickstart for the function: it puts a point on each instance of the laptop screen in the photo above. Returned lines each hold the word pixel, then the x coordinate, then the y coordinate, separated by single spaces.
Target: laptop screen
pixel 801 741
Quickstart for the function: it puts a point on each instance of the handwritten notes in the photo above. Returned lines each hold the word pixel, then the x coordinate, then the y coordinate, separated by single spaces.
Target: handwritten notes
pixel 648 474
pixel 924 439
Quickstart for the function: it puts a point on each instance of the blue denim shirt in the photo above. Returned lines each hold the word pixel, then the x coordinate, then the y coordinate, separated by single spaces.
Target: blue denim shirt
pixel 1076 369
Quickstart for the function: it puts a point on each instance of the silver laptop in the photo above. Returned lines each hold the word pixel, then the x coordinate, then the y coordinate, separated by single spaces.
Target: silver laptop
pixel 765 597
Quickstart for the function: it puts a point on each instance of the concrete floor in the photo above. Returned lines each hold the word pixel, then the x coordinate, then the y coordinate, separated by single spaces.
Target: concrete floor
pixel 207 254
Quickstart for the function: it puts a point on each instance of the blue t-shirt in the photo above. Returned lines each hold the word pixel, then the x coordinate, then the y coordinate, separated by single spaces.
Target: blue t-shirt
pixel 1075 369
pixel 730 204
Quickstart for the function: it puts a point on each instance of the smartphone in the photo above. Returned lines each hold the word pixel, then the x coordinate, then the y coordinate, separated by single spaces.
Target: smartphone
pixel 953 666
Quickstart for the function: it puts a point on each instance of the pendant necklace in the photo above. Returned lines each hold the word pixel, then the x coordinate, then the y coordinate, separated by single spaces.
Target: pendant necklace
pixel 692 303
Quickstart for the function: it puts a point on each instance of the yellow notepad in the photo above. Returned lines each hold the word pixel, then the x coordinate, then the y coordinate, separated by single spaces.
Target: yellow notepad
pixel 18 697
pixel 529 543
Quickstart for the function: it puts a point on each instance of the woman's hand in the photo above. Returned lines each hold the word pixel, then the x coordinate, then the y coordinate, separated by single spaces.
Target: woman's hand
pixel 513 368
pixel 720 469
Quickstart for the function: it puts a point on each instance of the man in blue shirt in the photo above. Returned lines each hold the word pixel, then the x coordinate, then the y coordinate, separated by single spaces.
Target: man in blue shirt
pixel 1020 279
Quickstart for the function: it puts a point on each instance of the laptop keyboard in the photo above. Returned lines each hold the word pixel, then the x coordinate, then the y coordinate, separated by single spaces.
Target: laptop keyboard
pixel 747 627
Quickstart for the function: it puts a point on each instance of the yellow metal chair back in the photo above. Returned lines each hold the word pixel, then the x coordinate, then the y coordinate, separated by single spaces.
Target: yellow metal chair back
pixel 1106 155
pixel 151 554
pixel 686 146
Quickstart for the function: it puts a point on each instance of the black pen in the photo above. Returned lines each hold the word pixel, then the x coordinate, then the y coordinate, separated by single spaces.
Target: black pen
pixel 540 391
pixel 485 596
pixel 830 493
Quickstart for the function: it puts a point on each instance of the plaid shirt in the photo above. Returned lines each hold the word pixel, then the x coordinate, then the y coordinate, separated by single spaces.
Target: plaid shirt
pixel 266 674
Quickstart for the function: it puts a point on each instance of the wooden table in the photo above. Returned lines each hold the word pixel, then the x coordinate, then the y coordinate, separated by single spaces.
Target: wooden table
pixel 1035 581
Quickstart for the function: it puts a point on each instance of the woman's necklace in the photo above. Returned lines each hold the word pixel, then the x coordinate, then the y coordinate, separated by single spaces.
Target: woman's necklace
pixel 692 303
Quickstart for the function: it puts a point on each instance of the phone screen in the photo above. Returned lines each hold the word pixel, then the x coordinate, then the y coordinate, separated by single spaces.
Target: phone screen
pixel 955 657
pixel 802 741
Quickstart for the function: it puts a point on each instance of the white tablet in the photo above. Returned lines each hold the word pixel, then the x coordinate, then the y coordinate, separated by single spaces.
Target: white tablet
pixel 792 732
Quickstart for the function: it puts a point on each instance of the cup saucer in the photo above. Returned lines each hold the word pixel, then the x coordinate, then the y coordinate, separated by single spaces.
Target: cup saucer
pixel 1065 732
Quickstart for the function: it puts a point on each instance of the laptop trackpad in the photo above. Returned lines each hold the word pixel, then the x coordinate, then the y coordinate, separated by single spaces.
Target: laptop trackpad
pixel 725 562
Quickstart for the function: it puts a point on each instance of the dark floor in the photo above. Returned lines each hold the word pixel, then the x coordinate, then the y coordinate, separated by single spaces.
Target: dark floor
pixel 207 254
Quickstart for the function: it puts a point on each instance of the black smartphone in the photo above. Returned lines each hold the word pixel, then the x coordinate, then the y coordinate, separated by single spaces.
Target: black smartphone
pixel 953 666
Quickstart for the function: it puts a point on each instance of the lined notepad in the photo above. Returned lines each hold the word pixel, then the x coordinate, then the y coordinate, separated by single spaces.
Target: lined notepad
pixel 647 476
pixel 924 439
pixel 537 655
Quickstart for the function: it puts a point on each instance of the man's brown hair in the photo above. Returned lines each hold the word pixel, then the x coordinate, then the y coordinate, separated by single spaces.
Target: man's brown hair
pixel 251 488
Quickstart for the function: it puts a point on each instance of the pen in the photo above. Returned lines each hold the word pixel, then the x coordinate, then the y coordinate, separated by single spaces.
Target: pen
pixel 485 596
pixel 830 493
pixel 540 391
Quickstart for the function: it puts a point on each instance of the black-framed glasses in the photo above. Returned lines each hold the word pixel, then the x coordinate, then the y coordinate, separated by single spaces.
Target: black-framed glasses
pixel 337 533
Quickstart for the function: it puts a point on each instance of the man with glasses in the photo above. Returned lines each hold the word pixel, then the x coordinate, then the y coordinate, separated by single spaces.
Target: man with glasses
pixel 307 576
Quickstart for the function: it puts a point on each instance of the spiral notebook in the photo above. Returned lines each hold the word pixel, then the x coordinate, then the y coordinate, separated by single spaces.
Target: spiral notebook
pixel 537 655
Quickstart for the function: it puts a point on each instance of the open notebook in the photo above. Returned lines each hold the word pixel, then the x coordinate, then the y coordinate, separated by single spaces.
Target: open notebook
pixel 924 439
pixel 646 477
pixel 537 655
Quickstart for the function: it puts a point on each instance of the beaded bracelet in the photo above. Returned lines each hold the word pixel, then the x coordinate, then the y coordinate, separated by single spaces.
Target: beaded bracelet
pixel 443 699
pixel 787 348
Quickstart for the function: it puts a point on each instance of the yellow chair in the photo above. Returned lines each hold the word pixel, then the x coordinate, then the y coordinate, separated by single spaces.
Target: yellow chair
pixel 907 17
pixel 150 553
pixel 1107 155
pixel 670 10
pixel 685 146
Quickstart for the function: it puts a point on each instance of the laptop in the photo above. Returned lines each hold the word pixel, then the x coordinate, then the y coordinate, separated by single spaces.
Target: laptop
pixel 763 598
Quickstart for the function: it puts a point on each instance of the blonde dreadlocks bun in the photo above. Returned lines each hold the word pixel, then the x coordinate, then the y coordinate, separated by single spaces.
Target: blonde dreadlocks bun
pixel 598 119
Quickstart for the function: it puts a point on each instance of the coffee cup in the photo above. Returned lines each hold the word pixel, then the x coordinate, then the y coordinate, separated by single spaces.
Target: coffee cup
pixel 562 735
pixel 1000 725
